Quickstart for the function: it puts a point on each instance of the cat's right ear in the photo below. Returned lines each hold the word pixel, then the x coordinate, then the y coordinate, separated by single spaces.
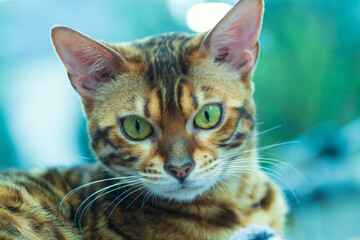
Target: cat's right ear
pixel 88 62
pixel 234 40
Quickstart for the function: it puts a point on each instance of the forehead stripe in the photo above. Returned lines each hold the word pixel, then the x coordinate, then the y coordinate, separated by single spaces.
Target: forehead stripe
pixel 146 109
pixel 179 94
pixel 194 100
pixel 160 99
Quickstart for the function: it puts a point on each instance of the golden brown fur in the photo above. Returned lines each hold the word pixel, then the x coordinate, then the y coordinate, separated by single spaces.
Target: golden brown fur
pixel 166 80
pixel 29 210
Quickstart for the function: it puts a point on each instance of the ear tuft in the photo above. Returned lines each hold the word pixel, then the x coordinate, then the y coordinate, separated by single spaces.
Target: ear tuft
pixel 89 63
pixel 234 39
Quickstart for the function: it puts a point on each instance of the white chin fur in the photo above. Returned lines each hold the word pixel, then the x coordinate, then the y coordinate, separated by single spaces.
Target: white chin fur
pixel 171 189
pixel 184 194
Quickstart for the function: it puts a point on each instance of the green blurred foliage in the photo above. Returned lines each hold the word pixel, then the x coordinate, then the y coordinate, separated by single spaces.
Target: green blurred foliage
pixel 309 67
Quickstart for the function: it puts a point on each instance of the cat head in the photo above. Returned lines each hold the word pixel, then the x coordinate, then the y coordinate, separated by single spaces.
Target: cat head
pixel 171 109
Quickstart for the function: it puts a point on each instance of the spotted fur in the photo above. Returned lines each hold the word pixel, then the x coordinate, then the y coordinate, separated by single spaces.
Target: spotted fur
pixel 129 194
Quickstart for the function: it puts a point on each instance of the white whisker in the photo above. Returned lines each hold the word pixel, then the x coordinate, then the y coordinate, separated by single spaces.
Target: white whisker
pixel 83 202
pixel 223 182
pixel 249 170
pixel 271 161
pixel 253 189
pixel 280 177
pixel 136 197
pixel 269 130
pixel 117 197
pixel 72 192
pixel 117 204
pixel 146 197
pixel 218 185
pixel 226 156
pixel 121 185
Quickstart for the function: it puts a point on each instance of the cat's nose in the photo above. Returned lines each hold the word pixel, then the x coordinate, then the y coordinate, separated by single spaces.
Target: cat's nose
pixel 180 173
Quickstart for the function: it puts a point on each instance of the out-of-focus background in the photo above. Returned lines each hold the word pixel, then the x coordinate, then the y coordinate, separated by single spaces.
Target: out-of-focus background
pixel 307 93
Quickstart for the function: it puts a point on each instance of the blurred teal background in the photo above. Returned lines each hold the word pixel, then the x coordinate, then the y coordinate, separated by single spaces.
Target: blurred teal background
pixel 307 92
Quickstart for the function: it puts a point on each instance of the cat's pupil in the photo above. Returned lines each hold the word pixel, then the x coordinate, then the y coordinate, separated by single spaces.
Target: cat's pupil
pixel 137 125
pixel 207 115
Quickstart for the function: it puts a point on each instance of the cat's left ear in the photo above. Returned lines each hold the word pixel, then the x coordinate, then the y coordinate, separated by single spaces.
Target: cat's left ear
pixel 89 63
pixel 234 40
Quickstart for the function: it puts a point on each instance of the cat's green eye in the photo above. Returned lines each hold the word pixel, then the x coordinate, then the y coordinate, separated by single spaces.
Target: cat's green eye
pixel 136 128
pixel 208 117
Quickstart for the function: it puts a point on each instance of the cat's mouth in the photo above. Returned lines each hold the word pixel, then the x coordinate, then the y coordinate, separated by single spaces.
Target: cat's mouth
pixel 183 188
pixel 186 190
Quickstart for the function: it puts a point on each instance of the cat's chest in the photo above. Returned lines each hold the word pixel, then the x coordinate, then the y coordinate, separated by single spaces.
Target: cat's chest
pixel 122 216
pixel 215 220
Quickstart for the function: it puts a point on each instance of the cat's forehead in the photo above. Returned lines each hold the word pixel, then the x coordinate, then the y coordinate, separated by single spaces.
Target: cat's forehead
pixel 160 61
pixel 169 74
pixel 167 45
pixel 167 56
pixel 167 61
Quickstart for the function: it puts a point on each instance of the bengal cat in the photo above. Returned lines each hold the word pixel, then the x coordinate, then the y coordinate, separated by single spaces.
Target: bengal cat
pixel 172 124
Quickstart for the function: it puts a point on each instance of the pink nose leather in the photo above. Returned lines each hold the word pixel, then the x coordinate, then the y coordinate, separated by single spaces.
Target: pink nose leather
pixel 180 173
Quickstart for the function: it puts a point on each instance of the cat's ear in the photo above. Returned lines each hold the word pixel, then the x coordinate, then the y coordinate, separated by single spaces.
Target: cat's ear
pixel 88 62
pixel 234 39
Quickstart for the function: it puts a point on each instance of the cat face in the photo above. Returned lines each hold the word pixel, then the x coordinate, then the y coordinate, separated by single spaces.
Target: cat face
pixel 173 153
pixel 168 109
